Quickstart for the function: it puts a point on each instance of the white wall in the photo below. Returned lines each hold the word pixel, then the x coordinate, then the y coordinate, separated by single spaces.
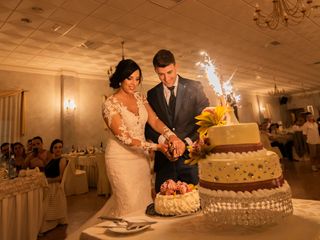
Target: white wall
pixel 43 108
pixel 85 126
pixel 42 102
pixel 302 101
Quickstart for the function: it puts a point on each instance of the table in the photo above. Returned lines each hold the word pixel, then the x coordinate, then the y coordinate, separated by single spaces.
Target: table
pixel 88 163
pixel 21 207
pixel 304 224
pixel 95 168
pixel 282 138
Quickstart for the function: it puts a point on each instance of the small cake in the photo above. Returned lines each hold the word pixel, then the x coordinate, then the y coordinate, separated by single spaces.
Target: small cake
pixel 176 198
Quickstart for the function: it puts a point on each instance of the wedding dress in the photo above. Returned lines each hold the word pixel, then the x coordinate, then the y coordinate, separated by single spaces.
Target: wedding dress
pixel 128 168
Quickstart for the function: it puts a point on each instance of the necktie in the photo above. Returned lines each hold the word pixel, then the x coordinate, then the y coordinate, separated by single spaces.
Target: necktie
pixel 172 103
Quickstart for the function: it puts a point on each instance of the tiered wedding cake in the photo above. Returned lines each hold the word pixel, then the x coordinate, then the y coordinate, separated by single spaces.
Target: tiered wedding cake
pixel 241 183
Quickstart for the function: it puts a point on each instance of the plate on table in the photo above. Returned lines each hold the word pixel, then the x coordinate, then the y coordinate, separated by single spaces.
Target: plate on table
pixel 151 212
pixel 123 227
pixel 124 230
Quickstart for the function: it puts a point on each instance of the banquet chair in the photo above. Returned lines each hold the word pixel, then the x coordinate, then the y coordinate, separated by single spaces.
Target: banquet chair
pixel 55 205
pixel 75 181
pixel 267 145
pixel 88 164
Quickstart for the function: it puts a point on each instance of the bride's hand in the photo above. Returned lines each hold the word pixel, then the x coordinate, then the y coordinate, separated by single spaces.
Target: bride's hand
pixel 163 148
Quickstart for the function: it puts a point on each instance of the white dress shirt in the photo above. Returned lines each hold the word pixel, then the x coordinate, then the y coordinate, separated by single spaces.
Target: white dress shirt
pixel 167 94
pixel 311 131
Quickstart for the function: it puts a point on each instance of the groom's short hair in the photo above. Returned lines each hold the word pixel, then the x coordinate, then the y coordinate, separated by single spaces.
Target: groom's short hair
pixel 163 58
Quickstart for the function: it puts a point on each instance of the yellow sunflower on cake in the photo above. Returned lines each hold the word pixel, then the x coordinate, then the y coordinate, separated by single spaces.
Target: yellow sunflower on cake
pixel 210 116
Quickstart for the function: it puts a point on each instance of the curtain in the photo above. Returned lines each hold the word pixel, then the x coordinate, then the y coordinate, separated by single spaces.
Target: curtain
pixel 11 115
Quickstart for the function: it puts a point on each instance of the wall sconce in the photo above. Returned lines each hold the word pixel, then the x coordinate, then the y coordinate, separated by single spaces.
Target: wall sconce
pixel 262 109
pixel 70 105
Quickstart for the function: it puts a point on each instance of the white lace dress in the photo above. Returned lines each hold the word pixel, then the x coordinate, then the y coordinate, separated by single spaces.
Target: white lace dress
pixel 128 168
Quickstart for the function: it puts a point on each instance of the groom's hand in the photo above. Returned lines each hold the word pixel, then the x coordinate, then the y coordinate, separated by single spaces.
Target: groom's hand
pixel 176 146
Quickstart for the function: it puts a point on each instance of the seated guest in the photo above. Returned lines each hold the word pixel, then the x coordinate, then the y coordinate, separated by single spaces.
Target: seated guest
pixel 297 126
pixel 5 153
pixel 264 136
pixel 285 147
pixel 55 202
pixel 39 156
pixel 55 167
pixel 19 156
pixel 29 147
pixel 274 128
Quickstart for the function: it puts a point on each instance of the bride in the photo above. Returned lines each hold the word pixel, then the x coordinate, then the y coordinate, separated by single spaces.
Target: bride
pixel 126 113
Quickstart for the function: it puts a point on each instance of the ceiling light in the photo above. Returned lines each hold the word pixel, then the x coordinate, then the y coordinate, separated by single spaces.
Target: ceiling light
pixel 166 3
pixel 91 45
pixel 55 27
pixel 26 20
pixel 276 92
pixel 37 9
pixel 275 43
pixel 285 12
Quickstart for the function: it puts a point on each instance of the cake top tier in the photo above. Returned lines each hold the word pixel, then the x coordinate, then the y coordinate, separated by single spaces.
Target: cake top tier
pixel 243 133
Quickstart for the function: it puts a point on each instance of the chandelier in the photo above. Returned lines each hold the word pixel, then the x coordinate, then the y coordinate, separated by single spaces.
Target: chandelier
pixel 275 92
pixel 286 12
pixel 110 70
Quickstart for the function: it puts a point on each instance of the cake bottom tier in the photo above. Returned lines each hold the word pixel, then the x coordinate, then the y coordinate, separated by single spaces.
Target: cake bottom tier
pixel 255 208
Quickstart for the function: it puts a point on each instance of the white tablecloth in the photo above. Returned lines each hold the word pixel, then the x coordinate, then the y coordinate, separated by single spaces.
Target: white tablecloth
pixel 95 167
pixel 304 224
pixel 21 207
pixel 88 163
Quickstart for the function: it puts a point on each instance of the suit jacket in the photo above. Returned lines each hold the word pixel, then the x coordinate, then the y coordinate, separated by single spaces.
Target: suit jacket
pixel 190 101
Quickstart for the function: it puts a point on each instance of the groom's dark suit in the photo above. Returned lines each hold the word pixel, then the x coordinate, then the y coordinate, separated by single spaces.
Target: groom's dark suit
pixel 190 101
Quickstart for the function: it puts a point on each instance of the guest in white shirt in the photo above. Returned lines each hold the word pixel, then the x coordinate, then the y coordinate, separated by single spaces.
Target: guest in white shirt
pixel 310 130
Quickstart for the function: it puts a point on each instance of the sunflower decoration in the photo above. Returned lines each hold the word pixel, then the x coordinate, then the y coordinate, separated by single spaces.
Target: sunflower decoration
pixel 208 118
pixel 211 117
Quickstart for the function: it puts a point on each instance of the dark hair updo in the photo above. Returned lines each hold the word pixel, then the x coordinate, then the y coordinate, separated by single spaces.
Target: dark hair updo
pixel 54 142
pixel 123 70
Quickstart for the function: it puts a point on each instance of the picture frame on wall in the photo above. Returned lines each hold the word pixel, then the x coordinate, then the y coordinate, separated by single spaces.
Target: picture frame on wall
pixel 310 109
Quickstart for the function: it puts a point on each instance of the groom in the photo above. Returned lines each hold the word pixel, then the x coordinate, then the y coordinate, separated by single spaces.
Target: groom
pixel 176 101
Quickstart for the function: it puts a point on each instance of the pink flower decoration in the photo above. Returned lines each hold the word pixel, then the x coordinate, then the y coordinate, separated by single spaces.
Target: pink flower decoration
pixel 170 187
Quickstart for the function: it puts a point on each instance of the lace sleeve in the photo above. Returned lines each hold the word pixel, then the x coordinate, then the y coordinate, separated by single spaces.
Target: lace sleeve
pixel 108 110
pixel 113 118
pixel 167 132
pixel 141 97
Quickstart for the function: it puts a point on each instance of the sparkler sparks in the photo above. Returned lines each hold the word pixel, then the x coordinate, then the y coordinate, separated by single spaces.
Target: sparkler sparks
pixel 223 91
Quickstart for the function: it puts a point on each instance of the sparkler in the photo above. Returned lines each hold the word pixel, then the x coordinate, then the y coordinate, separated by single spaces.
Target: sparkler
pixel 224 91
